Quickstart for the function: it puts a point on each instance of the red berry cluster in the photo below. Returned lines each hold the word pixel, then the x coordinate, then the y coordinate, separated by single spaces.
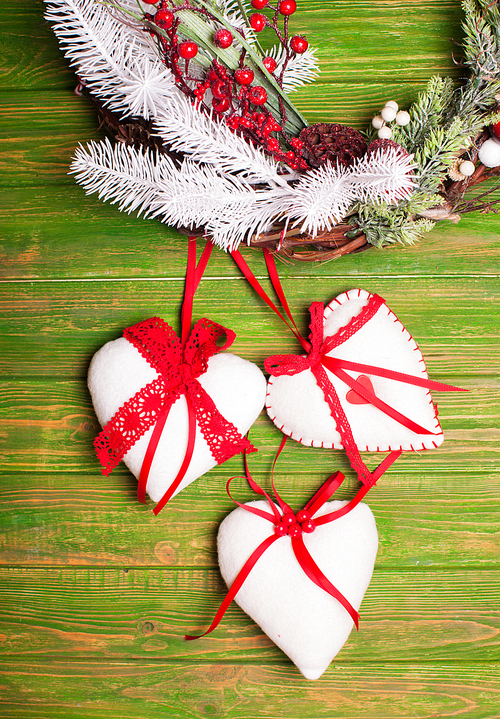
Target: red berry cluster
pixel 228 93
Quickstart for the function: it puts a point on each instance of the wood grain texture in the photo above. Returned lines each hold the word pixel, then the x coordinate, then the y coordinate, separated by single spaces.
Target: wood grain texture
pixel 95 592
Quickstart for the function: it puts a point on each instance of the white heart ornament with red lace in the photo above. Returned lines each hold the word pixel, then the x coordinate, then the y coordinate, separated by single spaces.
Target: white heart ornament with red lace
pixel 118 371
pixel 297 405
pixel 308 624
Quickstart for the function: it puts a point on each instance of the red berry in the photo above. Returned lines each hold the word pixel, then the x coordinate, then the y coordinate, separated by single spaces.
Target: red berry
pixel 269 63
pixel 259 4
pixel 220 89
pixel 287 7
pixel 150 2
pixel 257 95
pixel 188 49
pixel 495 130
pixel 223 38
pixel 244 75
pixel 299 44
pixel 164 18
pixel 257 21
pixel 220 104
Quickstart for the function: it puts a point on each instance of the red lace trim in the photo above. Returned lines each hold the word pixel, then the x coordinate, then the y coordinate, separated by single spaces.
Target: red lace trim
pixel 158 343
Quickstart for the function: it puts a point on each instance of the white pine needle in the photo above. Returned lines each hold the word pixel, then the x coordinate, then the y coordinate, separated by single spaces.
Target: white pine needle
pixel 321 198
pixel 207 140
pixel 185 195
pixel 114 59
pixel 384 175
pixel 301 69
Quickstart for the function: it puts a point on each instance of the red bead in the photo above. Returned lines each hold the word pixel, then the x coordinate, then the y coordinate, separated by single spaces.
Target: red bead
pixel 287 7
pixel 257 95
pixel 257 21
pixel 308 526
pixel 269 63
pixel 288 518
pixel 299 44
pixel 294 530
pixel 259 4
pixel 223 38
pixel 164 18
pixel 188 49
pixel 244 75
pixel 303 515
pixel 280 529
pixel 220 104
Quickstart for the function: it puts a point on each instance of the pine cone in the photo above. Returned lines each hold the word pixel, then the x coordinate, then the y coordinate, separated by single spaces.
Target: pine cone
pixel 333 143
pixel 384 145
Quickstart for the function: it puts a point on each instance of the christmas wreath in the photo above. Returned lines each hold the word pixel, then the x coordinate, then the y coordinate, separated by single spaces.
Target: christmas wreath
pixel 206 138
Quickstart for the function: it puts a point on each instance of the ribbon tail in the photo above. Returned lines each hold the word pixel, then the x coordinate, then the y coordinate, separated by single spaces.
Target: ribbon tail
pixel 149 456
pixel 236 585
pixel 376 401
pixel 316 575
pixel 187 459
pixel 391 374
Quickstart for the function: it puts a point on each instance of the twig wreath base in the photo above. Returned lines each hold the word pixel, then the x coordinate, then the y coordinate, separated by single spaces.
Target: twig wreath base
pixel 208 140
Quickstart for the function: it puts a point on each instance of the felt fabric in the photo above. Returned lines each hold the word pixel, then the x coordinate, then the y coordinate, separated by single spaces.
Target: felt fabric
pixel 303 620
pixel 297 405
pixel 118 371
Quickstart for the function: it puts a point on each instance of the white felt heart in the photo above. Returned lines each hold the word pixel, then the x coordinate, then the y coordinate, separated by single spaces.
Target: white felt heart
pixel 297 405
pixel 308 624
pixel 118 371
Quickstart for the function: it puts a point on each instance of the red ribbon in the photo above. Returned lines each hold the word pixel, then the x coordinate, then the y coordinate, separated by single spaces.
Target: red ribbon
pixel 179 363
pixel 286 523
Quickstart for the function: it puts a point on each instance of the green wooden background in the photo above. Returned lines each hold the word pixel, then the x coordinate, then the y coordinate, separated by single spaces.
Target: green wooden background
pixel 95 592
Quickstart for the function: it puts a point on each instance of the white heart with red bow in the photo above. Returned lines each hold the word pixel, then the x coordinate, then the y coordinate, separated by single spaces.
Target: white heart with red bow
pixel 120 371
pixel 359 330
pixel 308 624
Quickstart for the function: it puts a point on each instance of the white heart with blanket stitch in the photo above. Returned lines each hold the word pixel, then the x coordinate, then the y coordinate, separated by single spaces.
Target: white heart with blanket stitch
pixel 297 405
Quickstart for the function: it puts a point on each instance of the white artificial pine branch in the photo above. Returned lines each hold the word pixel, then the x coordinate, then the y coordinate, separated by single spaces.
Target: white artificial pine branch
pixel 182 195
pixel 384 175
pixel 113 58
pixel 301 69
pixel 321 198
pixel 185 129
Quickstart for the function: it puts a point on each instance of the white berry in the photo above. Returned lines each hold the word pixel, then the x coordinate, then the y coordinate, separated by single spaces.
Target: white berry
pixel 392 104
pixel 388 113
pixel 466 168
pixel 378 122
pixel 489 153
pixel 385 133
pixel 402 118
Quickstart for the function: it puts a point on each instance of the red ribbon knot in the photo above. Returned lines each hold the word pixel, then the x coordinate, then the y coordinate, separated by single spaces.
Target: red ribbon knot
pixel 178 368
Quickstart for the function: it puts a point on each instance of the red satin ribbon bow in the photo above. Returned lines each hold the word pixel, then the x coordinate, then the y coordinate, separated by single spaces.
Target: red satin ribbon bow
pixel 178 370
pixel 317 361
pixel 286 523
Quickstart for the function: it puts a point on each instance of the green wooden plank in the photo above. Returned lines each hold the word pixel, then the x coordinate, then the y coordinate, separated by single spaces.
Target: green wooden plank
pixel 55 327
pixel 144 613
pixel 149 689
pixel 49 426
pixel 426 516
pixel 58 232
pixel 370 39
